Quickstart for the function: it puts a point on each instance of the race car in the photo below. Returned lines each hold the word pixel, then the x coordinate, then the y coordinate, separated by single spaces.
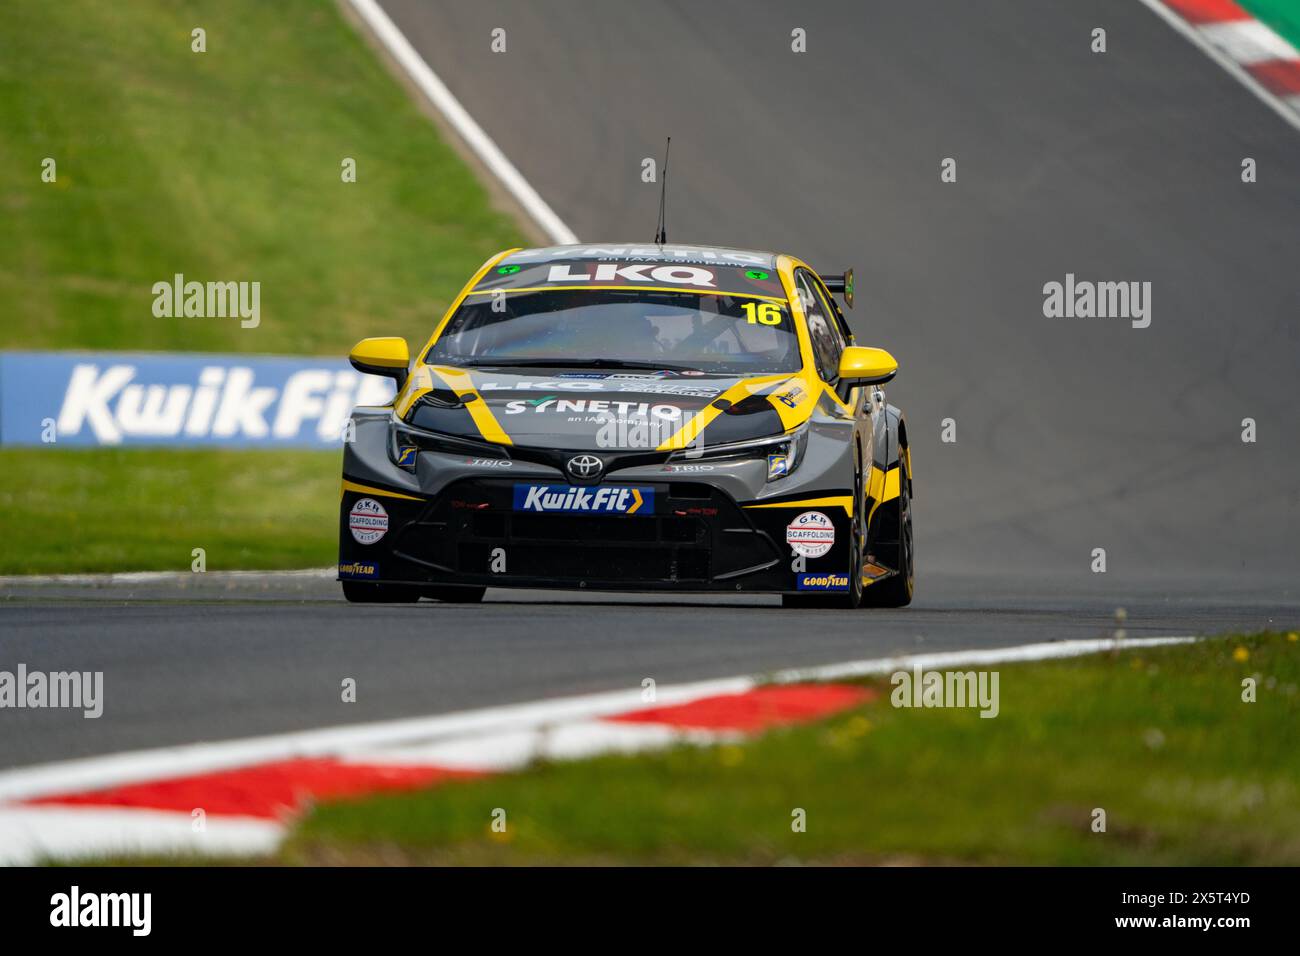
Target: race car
pixel 632 418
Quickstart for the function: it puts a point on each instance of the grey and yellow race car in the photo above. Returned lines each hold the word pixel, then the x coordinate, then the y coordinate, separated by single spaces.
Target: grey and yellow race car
pixel 632 418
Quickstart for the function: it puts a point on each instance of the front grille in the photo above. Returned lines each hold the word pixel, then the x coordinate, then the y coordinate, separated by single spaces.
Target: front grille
pixel 582 564
pixel 698 534
pixel 561 527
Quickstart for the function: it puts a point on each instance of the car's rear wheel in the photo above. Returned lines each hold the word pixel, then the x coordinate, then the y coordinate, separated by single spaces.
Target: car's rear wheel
pixel 455 594
pixel 896 590
pixel 361 592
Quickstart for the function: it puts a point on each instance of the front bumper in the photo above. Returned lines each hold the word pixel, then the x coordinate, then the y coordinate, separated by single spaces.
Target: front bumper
pixel 694 537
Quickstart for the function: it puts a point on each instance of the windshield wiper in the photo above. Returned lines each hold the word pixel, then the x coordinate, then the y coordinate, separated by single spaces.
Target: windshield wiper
pixel 575 363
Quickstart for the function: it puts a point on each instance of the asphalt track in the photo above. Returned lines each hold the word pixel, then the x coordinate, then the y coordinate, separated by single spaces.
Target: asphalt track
pixel 1072 434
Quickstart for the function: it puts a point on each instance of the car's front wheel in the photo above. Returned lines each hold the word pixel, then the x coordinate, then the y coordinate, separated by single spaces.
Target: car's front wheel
pixel 896 590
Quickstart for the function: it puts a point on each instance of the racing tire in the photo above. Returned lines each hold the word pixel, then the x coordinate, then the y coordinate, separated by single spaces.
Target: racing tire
pixel 359 592
pixel 896 590
pixel 454 594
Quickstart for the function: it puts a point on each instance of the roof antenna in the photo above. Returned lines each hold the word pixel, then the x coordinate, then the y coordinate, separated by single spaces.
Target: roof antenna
pixel 661 235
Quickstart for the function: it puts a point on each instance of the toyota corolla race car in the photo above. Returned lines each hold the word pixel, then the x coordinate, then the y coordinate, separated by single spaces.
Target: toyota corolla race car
pixel 659 418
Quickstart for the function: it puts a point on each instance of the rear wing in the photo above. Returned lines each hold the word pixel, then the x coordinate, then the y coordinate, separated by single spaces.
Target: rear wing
pixel 842 283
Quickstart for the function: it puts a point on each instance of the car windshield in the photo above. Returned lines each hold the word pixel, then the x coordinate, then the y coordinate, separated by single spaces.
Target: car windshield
pixel 708 332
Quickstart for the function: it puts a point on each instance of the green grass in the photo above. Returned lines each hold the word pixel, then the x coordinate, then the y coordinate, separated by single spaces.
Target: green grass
pixel 138 509
pixel 1282 15
pixel 1160 739
pixel 222 165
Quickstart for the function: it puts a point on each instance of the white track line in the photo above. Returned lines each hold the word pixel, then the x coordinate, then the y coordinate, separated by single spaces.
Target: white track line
pixel 1275 103
pixel 30 835
pixel 99 772
pixel 1247 41
pixel 136 766
pixel 944 659
pixel 155 577
pixel 481 143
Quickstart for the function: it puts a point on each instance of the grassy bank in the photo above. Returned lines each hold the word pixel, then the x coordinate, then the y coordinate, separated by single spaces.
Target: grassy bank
pixel 222 165
pixel 137 509
pixel 1160 739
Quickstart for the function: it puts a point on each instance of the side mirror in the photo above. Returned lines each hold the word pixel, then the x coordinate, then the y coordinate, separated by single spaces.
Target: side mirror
pixel 864 366
pixel 383 356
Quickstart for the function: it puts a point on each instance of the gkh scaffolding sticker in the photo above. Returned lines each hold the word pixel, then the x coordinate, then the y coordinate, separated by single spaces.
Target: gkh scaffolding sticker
pixel 368 521
pixel 811 534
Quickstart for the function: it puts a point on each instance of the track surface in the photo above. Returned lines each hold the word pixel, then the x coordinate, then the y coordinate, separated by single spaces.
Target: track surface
pixel 1071 434
pixel 217 658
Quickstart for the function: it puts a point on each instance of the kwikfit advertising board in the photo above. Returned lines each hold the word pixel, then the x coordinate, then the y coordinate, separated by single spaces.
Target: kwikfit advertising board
pixel 78 399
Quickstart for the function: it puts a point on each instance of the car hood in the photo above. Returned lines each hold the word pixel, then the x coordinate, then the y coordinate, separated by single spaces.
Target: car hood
pixel 585 409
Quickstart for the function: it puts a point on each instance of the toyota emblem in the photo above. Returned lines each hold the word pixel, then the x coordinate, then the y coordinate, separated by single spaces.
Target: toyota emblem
pixel 585 467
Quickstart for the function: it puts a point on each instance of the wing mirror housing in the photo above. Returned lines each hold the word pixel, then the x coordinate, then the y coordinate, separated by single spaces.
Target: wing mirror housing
pixel 860 365
pixel 387 356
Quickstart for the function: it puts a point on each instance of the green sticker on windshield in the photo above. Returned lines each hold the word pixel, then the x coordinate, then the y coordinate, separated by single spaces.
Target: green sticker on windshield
pixel 508 270
pixel 757 274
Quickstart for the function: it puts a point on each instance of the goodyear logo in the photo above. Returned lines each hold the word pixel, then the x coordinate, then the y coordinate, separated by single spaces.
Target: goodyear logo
pixel 571 498
pixel 823 582
pixel 359 569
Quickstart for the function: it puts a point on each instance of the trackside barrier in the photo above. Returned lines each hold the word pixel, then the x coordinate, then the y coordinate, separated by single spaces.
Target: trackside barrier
pixel 79 399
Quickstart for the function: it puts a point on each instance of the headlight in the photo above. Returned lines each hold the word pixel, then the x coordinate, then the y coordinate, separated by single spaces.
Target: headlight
pixel 405 444
pixel 782 452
